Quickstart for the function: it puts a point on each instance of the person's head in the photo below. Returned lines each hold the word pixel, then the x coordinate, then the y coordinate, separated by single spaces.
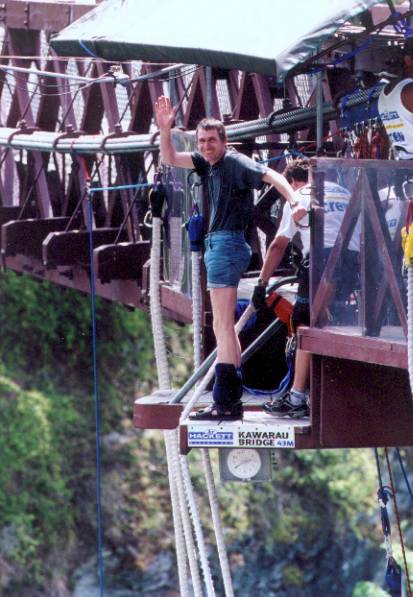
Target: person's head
pixel 211 139
pixel 407 53
pixel 399 61
pixel 297 172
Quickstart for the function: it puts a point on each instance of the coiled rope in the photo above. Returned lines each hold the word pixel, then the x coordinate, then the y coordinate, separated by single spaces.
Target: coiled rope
pixel 178 465
pixel 164 384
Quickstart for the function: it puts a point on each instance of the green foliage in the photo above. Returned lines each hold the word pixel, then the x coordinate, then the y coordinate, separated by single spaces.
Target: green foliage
pixel 47 469
pixel 292 576
pixel 46 342
pixel 33 492
pixel 313 494
pixel 368 589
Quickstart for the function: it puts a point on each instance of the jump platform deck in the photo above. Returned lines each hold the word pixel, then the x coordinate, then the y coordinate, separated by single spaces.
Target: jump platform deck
pixel 156 412
pixel 360 398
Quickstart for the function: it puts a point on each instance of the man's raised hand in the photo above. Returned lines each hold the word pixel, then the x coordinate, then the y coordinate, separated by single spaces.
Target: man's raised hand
pixel 164 113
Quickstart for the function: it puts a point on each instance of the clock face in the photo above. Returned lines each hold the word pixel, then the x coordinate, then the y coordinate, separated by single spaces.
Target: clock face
pixel 243 463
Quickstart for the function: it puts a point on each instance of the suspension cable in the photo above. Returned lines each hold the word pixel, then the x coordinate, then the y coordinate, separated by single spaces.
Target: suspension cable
pixel 409 489
pixel 95 384
pixel 396 510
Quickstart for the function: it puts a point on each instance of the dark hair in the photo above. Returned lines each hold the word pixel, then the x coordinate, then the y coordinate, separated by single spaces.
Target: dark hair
pixel 297 170
pixel 207 124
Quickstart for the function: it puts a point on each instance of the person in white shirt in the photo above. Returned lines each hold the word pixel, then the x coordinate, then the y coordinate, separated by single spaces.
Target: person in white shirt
pixel 295 403
pixel 395 106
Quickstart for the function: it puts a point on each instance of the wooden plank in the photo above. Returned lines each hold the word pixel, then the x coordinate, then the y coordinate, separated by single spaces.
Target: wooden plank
pixel 7 214
pixel 123 261
pixel 126 292
pixel 364 405
pixel 25 237
pixel 155 412
pixel 72 248
pixel 175 301
pixel 339 344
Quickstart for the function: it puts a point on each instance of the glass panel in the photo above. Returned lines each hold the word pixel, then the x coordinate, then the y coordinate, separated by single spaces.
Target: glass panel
pixel 358 210
pixel 177 256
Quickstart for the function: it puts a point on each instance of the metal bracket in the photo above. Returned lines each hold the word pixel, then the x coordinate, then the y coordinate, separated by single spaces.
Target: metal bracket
pixel 23 129
pixel 117 133
pixel 70 133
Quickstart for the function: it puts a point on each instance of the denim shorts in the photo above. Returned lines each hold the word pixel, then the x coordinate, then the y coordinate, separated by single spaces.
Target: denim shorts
pixel 227 256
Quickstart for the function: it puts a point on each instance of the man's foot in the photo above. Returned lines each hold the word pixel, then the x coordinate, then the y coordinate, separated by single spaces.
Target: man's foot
pixel 228 384
pixel 216 412
pixel 283 407
pixel 274 403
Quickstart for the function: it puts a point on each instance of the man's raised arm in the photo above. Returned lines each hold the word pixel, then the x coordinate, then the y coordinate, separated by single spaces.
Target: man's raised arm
pixel 165 117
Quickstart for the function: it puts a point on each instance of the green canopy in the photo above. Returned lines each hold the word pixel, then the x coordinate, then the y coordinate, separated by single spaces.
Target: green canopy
pixel 269 37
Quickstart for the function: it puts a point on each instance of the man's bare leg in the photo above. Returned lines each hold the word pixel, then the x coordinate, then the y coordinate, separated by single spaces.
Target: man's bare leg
pixel 223 301
pixel 302 370
pixel 227 389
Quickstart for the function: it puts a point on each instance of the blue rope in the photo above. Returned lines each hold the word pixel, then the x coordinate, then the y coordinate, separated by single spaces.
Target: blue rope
pixel 293 152
pixel 97 404
pixel 86 49
pixel 404 473
pixel 121 187
pixel 402 26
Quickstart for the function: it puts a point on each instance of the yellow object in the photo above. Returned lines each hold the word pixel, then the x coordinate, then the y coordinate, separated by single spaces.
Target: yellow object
pixel 407 245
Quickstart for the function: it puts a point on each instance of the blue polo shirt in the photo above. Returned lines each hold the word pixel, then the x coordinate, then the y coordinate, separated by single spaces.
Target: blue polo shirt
pixel 230 183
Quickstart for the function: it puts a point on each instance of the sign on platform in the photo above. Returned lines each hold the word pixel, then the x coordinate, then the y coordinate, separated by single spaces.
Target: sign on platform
pixel 245 435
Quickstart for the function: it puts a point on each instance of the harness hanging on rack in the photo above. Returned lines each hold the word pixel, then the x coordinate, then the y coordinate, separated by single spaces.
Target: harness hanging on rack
pixel 195 228
pixel 157 196
pixel 195 223
pixel 393 577
pixel 362 128
pixel 393 574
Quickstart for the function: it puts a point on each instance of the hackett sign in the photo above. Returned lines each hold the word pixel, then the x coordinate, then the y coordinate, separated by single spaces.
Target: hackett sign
pixel 245 435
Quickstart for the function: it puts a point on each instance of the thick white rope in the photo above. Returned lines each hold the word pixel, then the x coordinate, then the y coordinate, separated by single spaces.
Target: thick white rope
pixel 177 516
pixel 410 324
pixel 206 461
pixel 175 252
pixel 211 371
pixel 155 308
pixel 187 527
pixel 196 307
pixel 190 496
pixel 164 384
pixel 217 523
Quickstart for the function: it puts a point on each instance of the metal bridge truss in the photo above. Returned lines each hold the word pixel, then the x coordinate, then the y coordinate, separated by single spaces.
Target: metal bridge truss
pixel 43 210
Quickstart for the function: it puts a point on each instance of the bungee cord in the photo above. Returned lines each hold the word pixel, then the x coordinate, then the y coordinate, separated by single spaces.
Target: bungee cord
pixel 194 229
pixel 183 530
pixel 101 567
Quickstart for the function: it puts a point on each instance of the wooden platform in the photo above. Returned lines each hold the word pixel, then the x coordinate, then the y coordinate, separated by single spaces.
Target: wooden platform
pixel 360 390
pixel 360 398
pixel 346 342
pixel 156 412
